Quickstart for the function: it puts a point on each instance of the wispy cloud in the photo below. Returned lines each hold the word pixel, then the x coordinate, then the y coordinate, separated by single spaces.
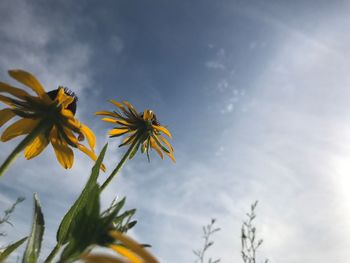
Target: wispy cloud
pixel 215 65
pixel 27 41
pixel 219 60
pixel 289 149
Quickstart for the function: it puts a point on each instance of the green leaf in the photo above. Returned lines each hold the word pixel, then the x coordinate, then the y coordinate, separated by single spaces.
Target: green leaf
pixel 114 207
pixel 10 248
pixel 108 216
pixel 160 144
pixel 69 220
pixel 121 222
pixel 85 232
pixel 131 224
pixel 32 251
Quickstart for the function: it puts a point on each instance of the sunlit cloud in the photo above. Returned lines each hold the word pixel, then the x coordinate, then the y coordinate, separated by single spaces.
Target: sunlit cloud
pixel 275 130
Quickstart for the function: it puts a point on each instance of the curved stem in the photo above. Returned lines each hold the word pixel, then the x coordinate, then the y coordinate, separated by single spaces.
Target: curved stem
pixel 53 253
pixel 38 129
pixel 121 163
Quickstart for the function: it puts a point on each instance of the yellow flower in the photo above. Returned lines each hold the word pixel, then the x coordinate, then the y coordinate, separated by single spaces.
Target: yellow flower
pixel 143 129
pixel 129 249
pixel 46 118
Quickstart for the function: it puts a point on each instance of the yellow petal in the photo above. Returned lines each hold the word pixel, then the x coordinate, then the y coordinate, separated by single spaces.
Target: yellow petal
pixel 29 80
pixel 69 117
pixel 116 103
pixel 156 147
pixel 134 246
pixel 129 139
pixel 101 258
pixel 131 256
pixel 162 129
pixel 67 114
pixel 148 115
pixel 115 132
pixel 107 113
pixel 63 99
pixel 171 156
pixel 13 91
pixel 64 154
pixel 70 120
pixel 6 115
pixel 122 122
pixel 36 146
pixel 20 127
pixel 109 120
pixel 7 100
pixel 89 135
pixel 166 143
pixel 70 136
pixel 74 125
pixel 131 108
pixel 90 153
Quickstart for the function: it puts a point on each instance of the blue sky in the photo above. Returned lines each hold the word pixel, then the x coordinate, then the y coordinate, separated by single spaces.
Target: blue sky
pixel 255 94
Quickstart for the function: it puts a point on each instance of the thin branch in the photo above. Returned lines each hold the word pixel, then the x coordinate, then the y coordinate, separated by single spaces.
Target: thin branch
pixel 249 241
pixel 8 212
pixel 208 231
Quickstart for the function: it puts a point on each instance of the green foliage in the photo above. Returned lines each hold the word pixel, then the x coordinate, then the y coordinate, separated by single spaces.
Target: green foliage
pixel 78 224
pixel 32 251
pixel 84 226
pixel 208 231
pixel 83 205
pixel 83 231
pixel 10 248
pixel 134 150
pixel 119 222
pixel 93 227
pixel 249 240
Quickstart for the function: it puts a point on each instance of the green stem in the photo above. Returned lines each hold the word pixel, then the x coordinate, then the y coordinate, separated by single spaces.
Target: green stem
pixel 53 253
pixel 121 163
pixel 20 147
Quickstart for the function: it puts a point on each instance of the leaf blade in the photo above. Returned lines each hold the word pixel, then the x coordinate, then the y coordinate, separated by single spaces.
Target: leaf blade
pixel 68 220
pixel 32 251
pixel 10 248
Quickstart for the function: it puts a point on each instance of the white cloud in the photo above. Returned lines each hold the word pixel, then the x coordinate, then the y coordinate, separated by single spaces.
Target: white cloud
pixel 290 151
pixel 298 136
pixel 214 65
pixel 219 61
pixel 27 40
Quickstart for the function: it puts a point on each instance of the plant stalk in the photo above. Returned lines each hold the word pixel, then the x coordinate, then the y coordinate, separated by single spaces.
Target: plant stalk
pixel 53 253
pixel 120 164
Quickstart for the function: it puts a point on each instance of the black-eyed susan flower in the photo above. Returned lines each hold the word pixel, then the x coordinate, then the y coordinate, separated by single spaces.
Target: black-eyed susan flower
pixel 142 129
pixel 45 118
pixel 128 251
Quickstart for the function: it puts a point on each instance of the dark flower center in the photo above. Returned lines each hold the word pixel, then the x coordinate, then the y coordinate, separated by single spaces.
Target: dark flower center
pixel 154 119
pixel 73 106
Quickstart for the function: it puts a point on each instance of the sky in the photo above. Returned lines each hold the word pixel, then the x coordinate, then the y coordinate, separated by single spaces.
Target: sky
pixel 255 93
